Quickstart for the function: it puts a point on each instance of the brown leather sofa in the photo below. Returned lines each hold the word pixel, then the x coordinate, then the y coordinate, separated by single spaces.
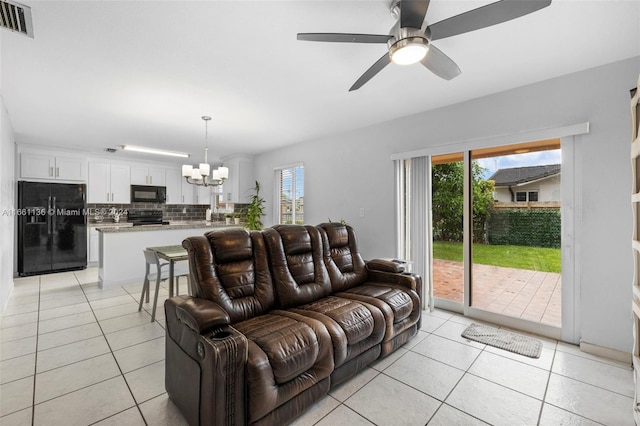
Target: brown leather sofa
pixel 277 318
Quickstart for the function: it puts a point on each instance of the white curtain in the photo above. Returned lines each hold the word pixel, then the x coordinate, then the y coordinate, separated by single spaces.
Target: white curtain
pixel 413 213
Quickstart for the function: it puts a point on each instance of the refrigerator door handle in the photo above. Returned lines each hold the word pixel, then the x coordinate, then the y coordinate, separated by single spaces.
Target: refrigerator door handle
pixel 49 220
pixel 54 226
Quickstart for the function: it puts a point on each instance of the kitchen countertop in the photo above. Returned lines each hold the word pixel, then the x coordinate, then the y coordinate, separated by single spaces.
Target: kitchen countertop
pixel 127 227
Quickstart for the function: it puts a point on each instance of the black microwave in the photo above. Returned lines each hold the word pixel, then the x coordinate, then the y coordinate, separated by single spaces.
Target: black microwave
pixel 148 194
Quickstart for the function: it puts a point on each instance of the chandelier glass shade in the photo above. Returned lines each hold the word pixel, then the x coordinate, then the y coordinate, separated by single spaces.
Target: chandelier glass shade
pixel 202 175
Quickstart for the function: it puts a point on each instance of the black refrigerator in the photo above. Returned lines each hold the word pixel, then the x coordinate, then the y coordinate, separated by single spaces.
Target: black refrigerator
pixel 52 227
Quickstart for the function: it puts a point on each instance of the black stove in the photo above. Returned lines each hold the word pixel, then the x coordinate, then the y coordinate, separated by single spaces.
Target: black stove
pixel 145 217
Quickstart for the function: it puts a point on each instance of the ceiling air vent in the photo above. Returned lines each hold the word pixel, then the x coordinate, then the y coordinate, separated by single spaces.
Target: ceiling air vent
pixel 16 17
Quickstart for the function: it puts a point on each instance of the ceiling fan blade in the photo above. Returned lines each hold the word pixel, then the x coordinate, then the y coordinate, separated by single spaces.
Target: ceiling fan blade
pixel 344 38
pixel 371 72
pixel 440 64
pixel 412 13
pixel 485 16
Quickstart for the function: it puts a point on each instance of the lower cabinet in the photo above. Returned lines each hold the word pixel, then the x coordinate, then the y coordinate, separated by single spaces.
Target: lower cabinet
pixel 93 245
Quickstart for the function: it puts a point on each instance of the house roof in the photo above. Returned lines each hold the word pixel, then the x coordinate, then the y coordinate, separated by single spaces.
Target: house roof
pixel 520 175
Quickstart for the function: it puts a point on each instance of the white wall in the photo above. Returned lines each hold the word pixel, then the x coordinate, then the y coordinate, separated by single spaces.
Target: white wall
pixel 346 172
pixel 7 203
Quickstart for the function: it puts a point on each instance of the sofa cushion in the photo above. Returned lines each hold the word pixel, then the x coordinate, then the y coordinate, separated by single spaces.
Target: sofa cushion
pixel 297 266
pixel 398 300
pixel 287 355
pixel 344 263
pixel 230 267
pixel 354 326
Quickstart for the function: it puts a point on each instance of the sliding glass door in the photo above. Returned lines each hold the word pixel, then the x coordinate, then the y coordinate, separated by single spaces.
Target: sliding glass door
pixel 496 232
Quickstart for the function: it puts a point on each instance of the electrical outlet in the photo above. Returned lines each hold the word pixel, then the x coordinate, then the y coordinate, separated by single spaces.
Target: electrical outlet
pixel 361 212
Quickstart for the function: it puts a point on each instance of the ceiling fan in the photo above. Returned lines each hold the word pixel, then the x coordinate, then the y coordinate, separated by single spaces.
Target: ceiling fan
pixel 409 40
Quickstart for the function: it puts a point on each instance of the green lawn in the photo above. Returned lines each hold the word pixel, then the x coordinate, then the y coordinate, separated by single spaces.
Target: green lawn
pixel 532 258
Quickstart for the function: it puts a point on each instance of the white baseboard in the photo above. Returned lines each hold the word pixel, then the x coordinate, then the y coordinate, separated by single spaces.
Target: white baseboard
pixel 614 354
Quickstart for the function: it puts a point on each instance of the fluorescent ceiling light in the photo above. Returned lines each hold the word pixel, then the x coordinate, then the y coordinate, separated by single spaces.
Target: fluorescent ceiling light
pixel 155 151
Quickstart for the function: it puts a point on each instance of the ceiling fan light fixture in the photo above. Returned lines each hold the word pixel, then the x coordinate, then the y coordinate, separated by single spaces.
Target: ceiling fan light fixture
pixel 409 50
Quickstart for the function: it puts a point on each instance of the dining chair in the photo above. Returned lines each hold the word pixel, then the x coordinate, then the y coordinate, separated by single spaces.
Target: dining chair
pixel 160 274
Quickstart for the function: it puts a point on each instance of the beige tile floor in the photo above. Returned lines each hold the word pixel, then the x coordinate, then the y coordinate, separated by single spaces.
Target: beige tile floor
pixel 74 354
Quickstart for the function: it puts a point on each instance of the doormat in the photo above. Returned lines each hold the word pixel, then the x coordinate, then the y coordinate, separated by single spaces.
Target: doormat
pixel 502 339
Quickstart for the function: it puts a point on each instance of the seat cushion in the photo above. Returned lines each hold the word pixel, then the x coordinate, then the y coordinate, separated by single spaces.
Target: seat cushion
pixel 398 300
pixel 399 305
pixel 354 326
pixel 287 354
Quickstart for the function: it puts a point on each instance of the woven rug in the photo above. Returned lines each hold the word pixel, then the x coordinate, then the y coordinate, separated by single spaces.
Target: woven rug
pixel 502 339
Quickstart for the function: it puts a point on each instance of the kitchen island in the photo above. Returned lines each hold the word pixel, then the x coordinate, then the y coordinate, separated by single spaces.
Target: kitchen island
pixel 121 260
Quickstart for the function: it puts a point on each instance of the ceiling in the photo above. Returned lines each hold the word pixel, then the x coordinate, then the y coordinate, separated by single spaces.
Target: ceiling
pixel 105 73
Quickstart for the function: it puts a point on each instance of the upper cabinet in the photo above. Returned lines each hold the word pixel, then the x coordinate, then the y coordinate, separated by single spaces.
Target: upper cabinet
pixel 109 183
pixel 49 166
pixel 141 175
pixel 237 188
pixel 174 186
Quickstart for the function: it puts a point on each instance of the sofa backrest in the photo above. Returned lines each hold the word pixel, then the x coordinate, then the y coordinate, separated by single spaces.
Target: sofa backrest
pixel 343 260
pixel 299 273
pixel 230 267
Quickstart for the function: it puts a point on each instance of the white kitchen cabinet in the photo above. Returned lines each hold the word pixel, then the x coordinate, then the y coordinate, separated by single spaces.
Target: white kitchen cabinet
pixel 237 188
pixel 174 186
pixel 203 195
pixel 94 245
pixel 188 192
pixel 142 175
pixel 109 183
pixel 48 166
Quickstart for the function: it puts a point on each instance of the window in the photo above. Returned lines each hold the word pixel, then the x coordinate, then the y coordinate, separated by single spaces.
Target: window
pixel 527 196
pixel 290 182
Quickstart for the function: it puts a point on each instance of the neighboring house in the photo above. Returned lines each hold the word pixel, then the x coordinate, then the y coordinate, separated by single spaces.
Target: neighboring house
pixel 527 184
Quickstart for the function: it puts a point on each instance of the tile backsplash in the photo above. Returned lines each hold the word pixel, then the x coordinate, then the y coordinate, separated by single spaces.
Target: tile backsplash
pixel 170 211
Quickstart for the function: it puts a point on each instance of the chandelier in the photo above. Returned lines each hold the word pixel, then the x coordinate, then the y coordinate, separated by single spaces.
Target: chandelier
pixel 199 175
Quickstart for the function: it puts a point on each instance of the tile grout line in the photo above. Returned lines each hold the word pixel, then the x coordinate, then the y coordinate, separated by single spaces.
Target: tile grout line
pixel 35 364
pixel 117 364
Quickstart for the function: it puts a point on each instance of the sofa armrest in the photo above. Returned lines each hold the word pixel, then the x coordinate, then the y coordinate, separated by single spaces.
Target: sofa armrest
pixel 201 315
pixel 385 265
pixel 404 279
